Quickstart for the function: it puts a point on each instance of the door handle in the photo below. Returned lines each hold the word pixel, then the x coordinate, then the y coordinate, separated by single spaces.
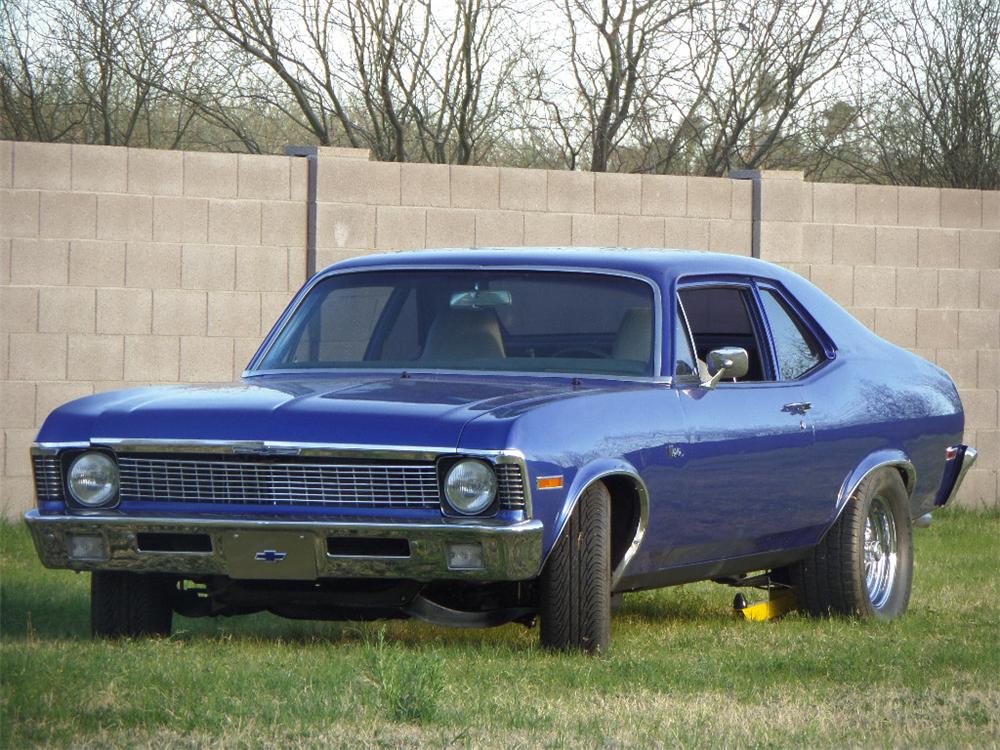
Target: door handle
pixel 797 407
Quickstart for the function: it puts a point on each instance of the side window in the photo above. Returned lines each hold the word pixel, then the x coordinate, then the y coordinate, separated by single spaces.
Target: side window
pixel 720 316
pixel 684 359
pixel 795 348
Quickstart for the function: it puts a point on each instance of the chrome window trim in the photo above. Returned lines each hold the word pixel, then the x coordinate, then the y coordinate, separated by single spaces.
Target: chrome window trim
pixel 292 309
pixel 313 371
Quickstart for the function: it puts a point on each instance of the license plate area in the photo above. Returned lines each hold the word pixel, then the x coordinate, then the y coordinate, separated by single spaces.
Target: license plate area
pixel 271 555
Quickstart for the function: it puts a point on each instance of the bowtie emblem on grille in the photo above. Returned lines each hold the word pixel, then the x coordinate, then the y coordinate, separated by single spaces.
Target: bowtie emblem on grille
pixel 270 556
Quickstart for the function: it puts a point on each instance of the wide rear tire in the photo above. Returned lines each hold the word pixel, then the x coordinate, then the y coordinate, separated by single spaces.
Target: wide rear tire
pixel 575 590
pixel 130 605
pixel 864 565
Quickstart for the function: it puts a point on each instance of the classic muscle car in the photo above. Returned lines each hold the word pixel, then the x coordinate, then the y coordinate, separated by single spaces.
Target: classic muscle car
pixel 475 437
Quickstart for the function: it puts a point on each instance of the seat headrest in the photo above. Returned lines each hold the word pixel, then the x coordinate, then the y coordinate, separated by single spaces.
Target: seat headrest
pixel 464 333
pixel 635 335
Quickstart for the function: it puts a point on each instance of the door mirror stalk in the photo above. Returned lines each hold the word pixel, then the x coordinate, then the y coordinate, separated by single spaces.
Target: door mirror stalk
pixel 727 362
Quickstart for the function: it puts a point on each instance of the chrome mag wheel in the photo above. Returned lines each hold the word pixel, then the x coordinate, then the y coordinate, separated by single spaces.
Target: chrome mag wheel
pixel 881 552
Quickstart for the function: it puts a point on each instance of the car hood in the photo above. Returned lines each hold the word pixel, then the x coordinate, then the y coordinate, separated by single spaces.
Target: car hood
pixel 381 410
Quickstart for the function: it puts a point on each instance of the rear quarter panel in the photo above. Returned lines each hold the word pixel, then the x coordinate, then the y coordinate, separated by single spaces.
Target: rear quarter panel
pixel 875 400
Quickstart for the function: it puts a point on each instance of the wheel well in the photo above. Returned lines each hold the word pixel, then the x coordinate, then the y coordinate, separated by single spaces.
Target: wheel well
pixel 906 473
pixel 626 512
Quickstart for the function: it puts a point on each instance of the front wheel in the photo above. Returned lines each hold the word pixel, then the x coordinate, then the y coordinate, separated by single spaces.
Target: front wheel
pixel 864 565
pixel 575 590
pixel 130 605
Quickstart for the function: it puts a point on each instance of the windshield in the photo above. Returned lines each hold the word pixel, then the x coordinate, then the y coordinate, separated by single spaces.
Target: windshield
pixel 520 321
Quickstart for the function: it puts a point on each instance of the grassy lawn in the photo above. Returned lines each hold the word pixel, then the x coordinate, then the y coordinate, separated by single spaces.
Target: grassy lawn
pixel 681 670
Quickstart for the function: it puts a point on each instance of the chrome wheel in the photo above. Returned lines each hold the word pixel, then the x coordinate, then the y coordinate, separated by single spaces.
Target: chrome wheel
pixel 881 552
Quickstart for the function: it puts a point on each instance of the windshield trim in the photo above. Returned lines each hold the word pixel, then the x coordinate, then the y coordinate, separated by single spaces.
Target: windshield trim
pixel 289 313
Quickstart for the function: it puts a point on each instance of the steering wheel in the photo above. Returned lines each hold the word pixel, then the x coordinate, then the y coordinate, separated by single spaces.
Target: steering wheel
pixel 582 352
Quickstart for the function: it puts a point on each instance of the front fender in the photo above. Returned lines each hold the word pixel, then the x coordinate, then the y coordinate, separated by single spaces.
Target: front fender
pixel 588 474
pixel 870 463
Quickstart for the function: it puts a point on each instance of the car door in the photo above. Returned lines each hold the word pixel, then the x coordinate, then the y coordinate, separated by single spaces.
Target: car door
pixel 743 478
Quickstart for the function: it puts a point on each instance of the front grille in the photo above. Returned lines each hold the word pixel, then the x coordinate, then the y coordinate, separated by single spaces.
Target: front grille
pixel 254 482
pixel 48 477
pixel 263 483
pixel 510 486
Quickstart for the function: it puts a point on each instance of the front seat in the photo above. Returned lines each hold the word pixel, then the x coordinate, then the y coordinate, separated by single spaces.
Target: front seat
pixel 635 335
pixel 461 333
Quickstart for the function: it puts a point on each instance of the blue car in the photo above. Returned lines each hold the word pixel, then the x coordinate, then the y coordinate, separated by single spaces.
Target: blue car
pixel 476 437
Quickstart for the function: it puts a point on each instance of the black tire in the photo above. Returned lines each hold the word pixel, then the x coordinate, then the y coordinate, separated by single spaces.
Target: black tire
pixel 575 586
pixel 833 578
pixel 130 605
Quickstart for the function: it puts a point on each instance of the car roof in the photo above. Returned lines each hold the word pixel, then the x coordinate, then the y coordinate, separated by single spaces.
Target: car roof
pixel 654 263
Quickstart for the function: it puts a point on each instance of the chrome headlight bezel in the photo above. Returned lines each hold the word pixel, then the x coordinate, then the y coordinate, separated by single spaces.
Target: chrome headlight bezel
pixel 102 465
pixel 457 502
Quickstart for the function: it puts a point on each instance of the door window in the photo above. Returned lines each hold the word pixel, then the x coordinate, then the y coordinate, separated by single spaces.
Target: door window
pixel 720 316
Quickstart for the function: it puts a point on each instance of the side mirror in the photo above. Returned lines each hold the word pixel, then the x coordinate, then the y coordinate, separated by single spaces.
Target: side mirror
pixel 728 362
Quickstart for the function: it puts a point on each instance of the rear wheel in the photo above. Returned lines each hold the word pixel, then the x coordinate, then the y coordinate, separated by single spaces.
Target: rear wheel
pixel 864 565
pixel 126 604
pixel 575 588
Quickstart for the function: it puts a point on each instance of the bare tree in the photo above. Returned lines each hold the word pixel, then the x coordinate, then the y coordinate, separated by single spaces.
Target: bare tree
pixel 37 96
pixel 94 71
pixel 593 87
pixel 764 72
pixel 933 117
pixel 390 76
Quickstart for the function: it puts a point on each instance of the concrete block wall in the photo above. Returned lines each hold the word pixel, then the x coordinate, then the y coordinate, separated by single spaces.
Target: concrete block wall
pixel 127 266
pixel 123 267
pixel 365 206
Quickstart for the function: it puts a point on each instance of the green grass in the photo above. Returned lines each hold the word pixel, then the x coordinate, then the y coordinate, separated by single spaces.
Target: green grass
pixel 681 670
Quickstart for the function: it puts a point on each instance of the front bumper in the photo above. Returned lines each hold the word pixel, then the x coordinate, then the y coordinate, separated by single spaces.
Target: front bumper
pixel 510 551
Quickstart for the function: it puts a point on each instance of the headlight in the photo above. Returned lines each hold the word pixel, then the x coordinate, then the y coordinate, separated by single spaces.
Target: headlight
pixel 470 486
pixel 93 479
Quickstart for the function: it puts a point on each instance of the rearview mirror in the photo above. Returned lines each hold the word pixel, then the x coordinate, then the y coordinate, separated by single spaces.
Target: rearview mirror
pixel 480 298
pixel 727 362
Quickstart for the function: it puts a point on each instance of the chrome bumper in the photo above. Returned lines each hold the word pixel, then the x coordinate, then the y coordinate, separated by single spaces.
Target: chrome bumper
pixel 967 457
pixel 510 551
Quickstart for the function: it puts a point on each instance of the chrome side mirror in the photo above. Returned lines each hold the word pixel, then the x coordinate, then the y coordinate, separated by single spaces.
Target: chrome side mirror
pixel 728 362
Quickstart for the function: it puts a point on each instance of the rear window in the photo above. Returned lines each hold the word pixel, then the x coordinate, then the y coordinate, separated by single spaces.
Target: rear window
pixel 530 321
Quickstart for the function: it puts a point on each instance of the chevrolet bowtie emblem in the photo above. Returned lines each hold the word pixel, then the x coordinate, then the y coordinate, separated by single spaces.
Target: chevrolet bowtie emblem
pixel 258 448
pixel 270 556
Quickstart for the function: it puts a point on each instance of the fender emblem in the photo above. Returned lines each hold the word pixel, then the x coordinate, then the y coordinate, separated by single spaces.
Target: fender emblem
pixel 270 556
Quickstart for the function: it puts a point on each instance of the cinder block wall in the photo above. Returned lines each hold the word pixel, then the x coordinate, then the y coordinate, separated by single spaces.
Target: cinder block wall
pixel 125 266
pixel 364 206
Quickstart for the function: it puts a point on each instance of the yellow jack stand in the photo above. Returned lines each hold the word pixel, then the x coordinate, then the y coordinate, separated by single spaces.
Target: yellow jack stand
pixel 779 602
